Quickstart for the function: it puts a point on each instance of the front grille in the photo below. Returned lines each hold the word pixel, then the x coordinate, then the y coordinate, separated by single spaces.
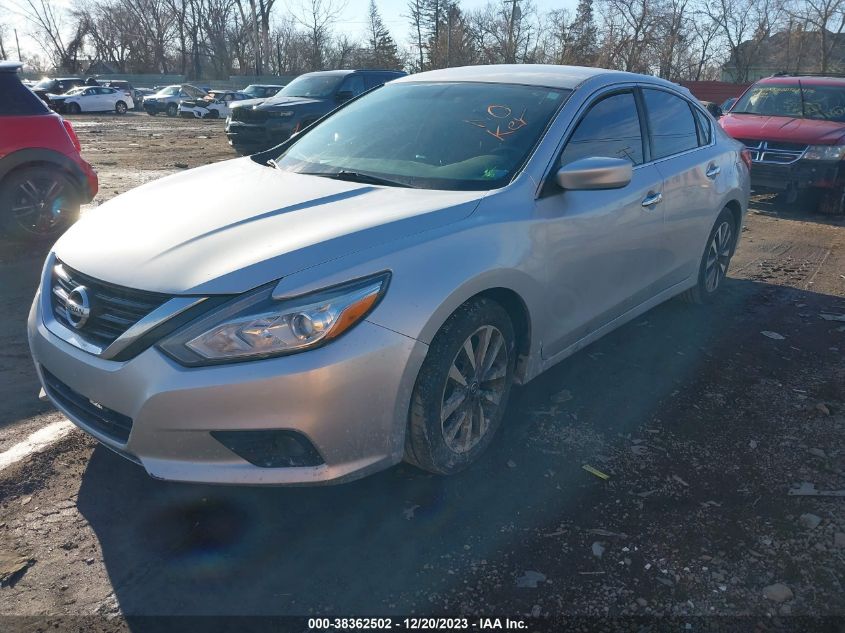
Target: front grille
pixel 774 152
pixel 110 423
pixel 248 115
pixel 114 309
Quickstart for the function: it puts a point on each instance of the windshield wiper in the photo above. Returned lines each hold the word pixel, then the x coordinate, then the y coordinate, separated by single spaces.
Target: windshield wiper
pixel 356 176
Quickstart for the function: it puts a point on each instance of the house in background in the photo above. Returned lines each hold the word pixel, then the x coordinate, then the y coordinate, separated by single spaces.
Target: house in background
pixel 790 51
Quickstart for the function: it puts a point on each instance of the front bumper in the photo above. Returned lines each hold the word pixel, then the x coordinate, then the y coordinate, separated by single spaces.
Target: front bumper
pixel 349 399
pixel 155 107
pixel 252 137
pixel 801 174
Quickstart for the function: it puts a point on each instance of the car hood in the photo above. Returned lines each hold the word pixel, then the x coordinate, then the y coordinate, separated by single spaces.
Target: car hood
pixel 248 103
pixel 232 226
pixel 783 129
pixel 285 102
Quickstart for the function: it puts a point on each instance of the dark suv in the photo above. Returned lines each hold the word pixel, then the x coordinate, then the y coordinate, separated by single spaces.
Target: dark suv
pixel 255 127
pixel 43 179
pixel 57 86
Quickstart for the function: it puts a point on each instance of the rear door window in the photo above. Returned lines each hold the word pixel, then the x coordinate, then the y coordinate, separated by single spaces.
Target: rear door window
pixel 705 129
pixel 670 120
pixel 17 99
pixel 353 84
pixel 611 128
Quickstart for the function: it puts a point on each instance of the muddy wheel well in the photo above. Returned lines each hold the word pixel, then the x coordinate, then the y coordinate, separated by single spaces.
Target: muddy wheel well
pixel 517 311
pixel 736 212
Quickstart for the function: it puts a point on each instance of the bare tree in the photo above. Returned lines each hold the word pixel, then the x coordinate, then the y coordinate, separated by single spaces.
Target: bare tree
pixel 317 17
pixel 51 30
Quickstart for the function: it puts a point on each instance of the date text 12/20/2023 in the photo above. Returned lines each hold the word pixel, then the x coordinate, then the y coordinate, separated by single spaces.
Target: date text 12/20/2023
pixel 415 624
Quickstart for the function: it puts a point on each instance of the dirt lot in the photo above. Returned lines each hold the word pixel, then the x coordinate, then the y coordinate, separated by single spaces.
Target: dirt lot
pixel 704 424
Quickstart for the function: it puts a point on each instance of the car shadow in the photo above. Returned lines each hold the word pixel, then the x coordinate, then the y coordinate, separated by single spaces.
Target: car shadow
pixel 803 209
pixel 380 545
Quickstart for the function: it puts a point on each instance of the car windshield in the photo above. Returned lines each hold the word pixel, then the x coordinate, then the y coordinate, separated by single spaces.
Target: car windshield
pixel 75 91
pixel 315 86
pixel 254 91
pixel 460 136
pixel 45 84
pixel 801 101
pixel 169 91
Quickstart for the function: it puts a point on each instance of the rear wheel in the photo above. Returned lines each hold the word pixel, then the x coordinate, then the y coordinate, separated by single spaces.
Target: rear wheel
pixel 172 109
pixel 462 390
pixel 39 203
pixel 120 107
pixel 715 261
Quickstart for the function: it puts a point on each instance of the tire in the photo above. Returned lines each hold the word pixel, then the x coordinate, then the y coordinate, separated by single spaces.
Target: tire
pixel 172 110
pixel 73 108
pixel 151 113
pixel 446 442
pixel 22 193
pixel 712 272
pixel 120 107
pixel 832 202
pixel 213 114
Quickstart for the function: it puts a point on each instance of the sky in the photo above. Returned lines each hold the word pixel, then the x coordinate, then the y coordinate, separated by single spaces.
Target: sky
pixel 351 20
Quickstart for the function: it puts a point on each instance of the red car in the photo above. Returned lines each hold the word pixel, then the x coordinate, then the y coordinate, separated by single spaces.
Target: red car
pixel 794 127
pixel 43 179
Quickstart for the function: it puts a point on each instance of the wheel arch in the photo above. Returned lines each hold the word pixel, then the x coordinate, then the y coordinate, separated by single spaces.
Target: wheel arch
pixel 42 157
pixel 735 208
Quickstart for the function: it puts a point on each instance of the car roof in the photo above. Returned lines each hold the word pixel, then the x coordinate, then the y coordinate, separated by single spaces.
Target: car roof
pixel 10 67
pixel 341 73
pixel 546 75
pixel 808 80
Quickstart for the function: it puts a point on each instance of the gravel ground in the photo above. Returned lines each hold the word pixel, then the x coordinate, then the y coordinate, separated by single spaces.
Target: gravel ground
pixel 712 426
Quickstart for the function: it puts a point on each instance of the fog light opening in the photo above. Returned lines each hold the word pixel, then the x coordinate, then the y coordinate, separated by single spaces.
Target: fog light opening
pixel 270 449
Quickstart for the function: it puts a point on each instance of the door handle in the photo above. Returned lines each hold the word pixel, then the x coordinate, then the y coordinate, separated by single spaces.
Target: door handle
pixel 652 199
pixel 713 171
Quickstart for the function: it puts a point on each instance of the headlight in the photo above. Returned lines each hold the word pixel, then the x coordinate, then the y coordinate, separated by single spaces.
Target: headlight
pixel 256 325
pixel 280 113
pixel 825 152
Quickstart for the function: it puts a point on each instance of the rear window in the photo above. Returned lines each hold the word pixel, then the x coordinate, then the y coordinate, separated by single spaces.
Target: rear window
pixel 18 100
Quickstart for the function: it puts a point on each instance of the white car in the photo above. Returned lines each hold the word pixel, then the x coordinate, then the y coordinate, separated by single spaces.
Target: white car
pixel 92 99
pixel 215 105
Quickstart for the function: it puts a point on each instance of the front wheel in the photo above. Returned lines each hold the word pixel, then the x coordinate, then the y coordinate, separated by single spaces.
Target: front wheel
pixel 120 107
pixel 462 390
pixel 38 203
pixel 172 109
pixel 73 108
pixel 714 263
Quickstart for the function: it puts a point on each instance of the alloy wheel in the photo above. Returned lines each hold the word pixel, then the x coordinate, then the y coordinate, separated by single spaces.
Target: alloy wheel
pixel 474 388
pixel 718 256
pixel 40 204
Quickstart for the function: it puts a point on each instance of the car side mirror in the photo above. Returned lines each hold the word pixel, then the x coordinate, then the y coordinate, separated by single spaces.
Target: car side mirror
pixel 344 95
pixel 596 172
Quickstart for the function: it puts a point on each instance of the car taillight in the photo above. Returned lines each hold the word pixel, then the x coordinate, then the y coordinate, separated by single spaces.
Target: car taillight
pixel 746 158
pixel 73 138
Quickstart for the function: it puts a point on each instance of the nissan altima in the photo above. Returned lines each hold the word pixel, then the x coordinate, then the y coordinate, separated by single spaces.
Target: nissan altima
pixel 370 290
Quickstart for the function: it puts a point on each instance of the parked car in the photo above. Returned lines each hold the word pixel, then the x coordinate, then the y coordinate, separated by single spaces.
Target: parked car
pixel 794 127
pixel 57 86
pixel 714 109
pixel 214 105
pixel 92 99
pixel 43 179
pixel 127 88
pixel 261 91
pixel 259 126
pixel 167 99
pixel 370 290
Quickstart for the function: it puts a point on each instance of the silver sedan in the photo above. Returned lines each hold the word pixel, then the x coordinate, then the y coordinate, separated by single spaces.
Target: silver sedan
pixel 370 290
